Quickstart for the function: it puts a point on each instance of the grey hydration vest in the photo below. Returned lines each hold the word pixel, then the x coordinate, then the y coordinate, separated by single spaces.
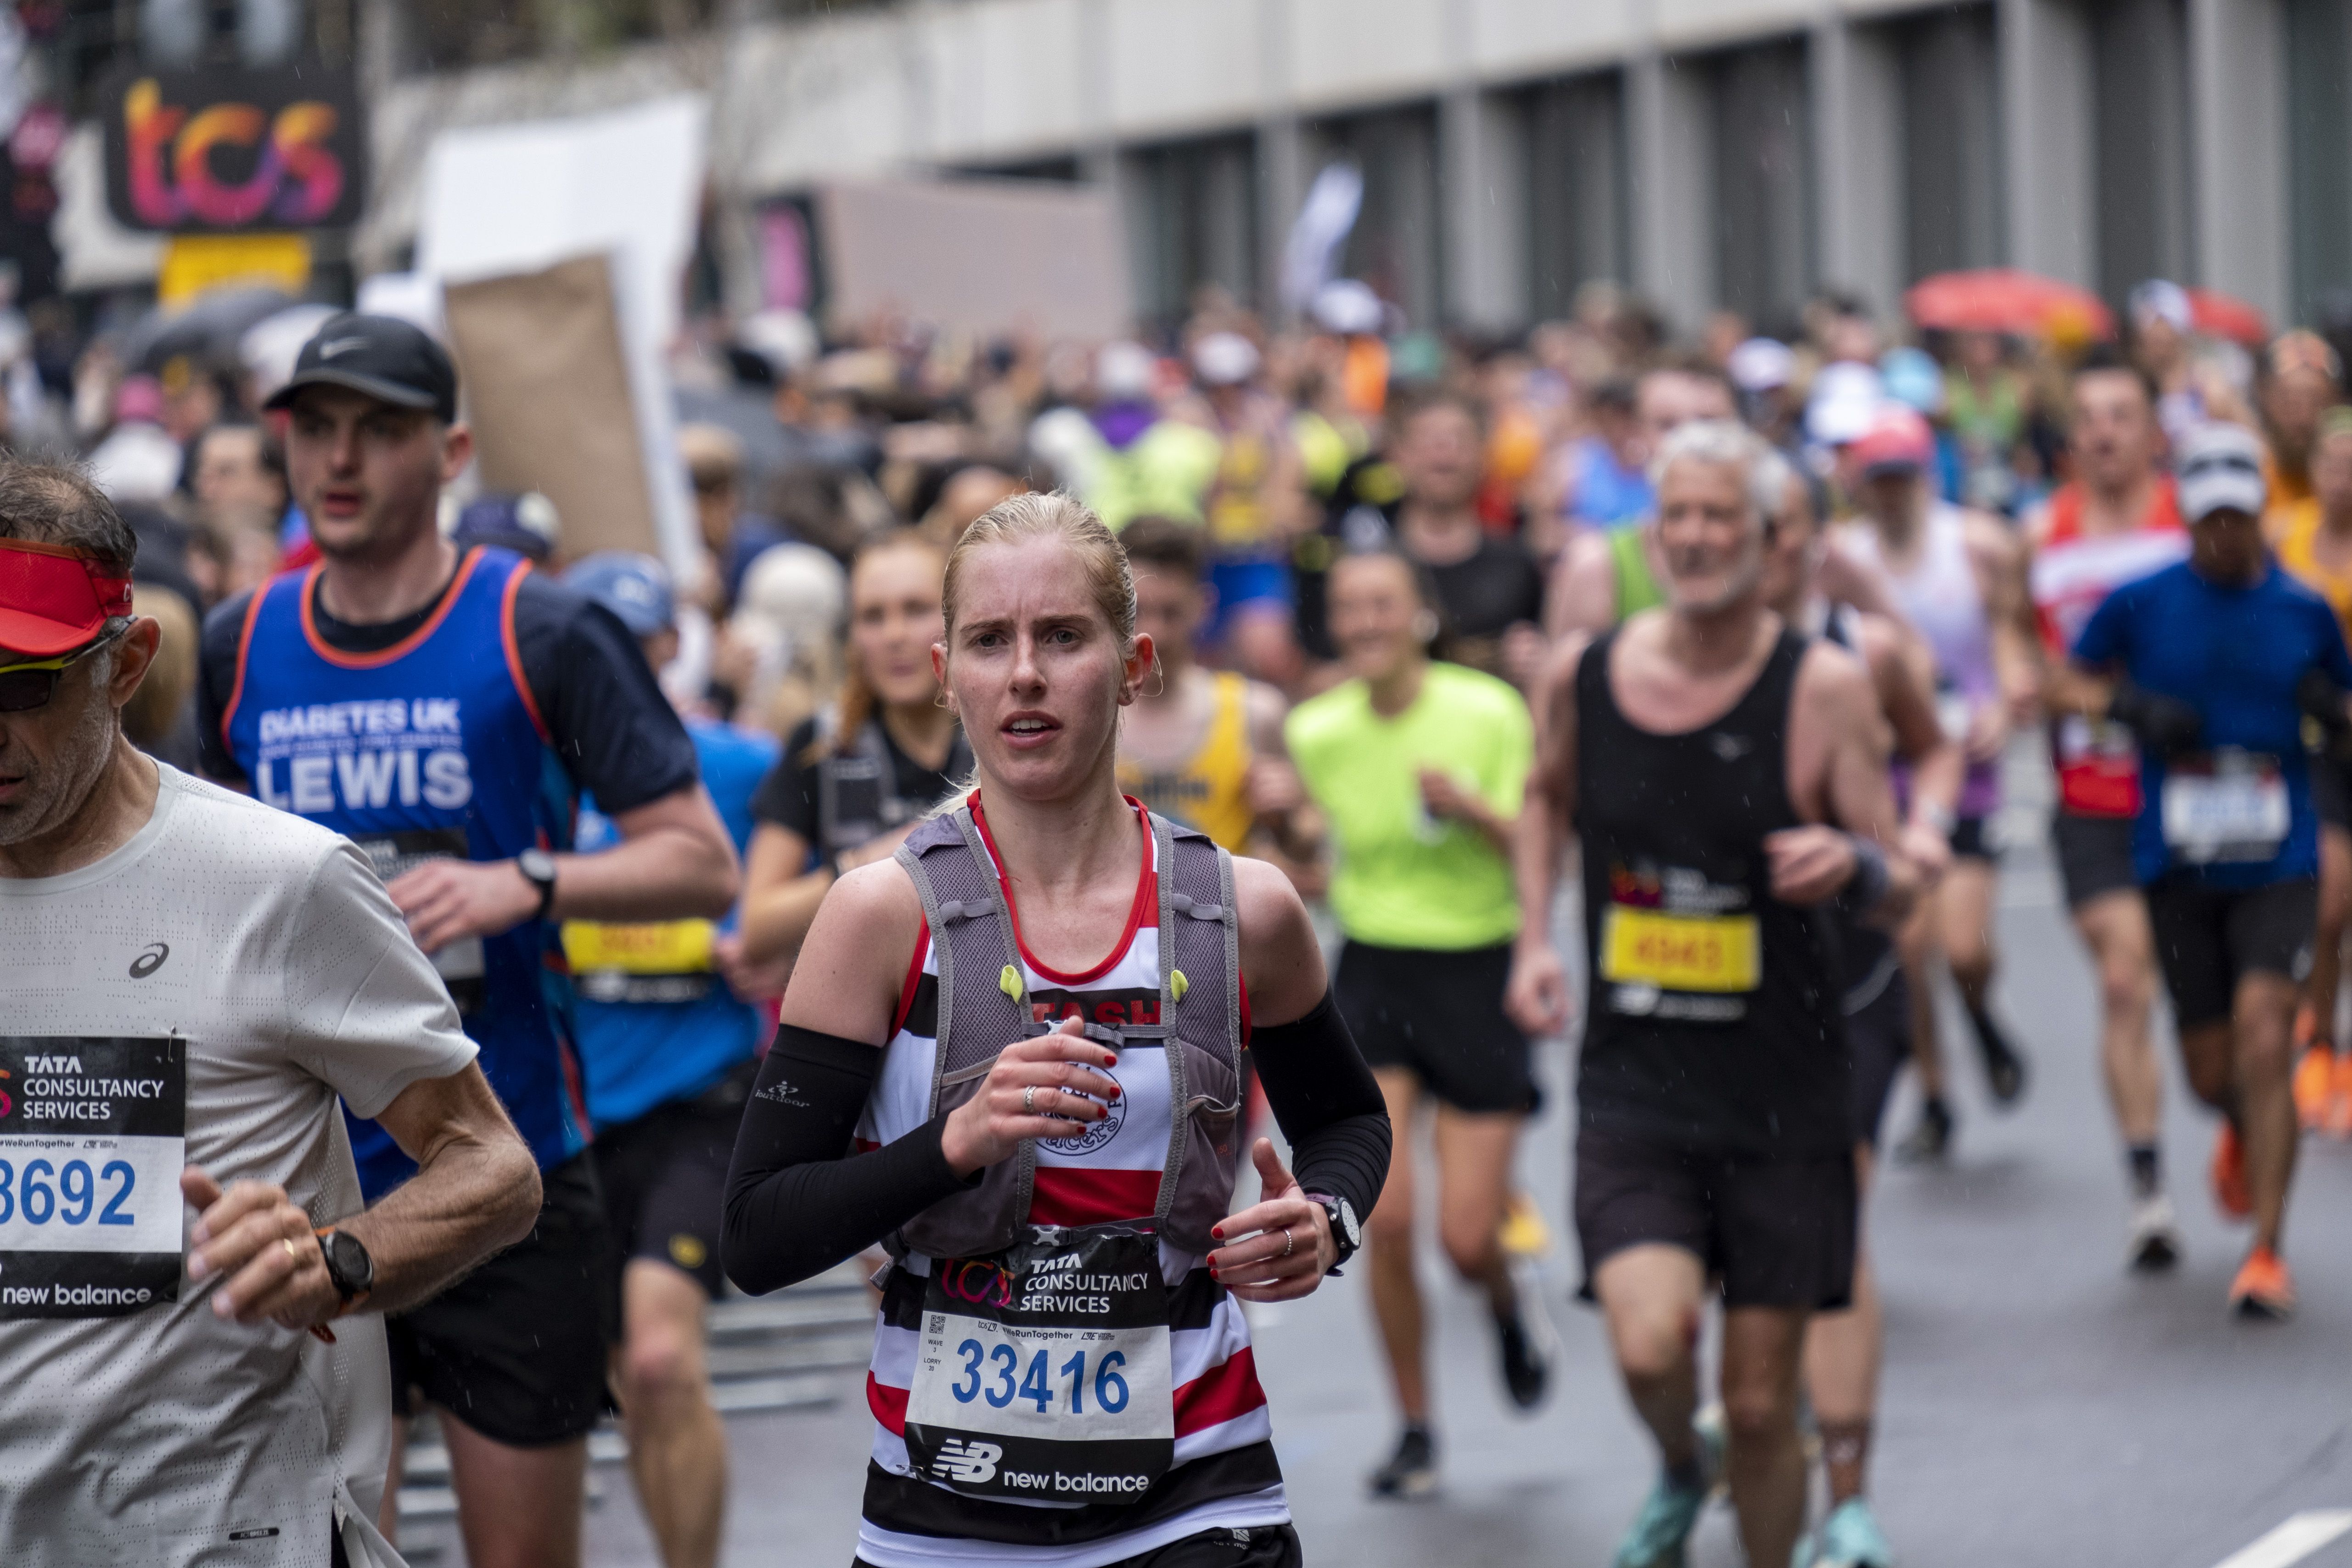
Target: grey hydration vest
pixel 983 1006
pixel 858 797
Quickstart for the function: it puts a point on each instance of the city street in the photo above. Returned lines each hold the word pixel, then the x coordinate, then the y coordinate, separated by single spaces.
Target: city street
pixel 2040 1405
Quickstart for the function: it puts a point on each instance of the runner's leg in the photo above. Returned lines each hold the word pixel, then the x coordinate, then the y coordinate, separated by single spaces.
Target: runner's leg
pixel 1963 912
pixel 2114 927
pixel 1843 1353
pixel 1762 1349
pixel 517 1507
pixel 1474 1190
pixel 2261 1025
pixel 1388 1239
pixel 1652 1294
pixel 1915 943
pixel 677 1447
pixel 387 1513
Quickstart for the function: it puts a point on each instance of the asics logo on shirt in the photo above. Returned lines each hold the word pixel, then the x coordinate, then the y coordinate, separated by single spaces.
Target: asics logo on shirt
pixel 150 959
pixel 969 1462
pixel 1730 748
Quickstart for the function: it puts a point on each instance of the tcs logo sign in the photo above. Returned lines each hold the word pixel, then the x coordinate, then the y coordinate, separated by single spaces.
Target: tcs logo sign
pixel 223 150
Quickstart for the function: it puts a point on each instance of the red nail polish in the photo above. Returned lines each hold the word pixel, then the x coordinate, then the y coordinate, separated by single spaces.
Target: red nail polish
pixel 1114 1091
pixel 1219 1232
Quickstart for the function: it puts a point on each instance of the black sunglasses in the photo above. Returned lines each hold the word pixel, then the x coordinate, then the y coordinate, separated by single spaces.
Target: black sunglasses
pixel 24 687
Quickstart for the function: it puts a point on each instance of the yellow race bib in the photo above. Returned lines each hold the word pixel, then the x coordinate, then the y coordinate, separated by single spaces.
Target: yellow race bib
pixel 661 947
pixel 1680 953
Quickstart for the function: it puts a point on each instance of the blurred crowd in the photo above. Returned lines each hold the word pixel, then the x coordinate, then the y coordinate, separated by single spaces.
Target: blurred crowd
pixel 1484 460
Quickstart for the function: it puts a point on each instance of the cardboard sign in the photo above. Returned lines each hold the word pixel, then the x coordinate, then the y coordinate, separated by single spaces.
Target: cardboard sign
pixel 547 391
pixel 223 150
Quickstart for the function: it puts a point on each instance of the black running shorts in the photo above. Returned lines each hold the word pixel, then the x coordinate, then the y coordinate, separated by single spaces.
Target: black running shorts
pixel 1255 1546
pixel 665 1178
pixel 1972 840
pixel 2095 856
pixel 1439 1015
pixel 1879 1035
pixel 1774 1230
pixel 2207 940
pixel 517 1349
pixel 2331 791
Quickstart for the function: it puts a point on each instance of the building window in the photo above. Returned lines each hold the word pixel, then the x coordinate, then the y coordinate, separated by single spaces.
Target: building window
pixel 2319 174
pixel 1192 214
pixel 1577 224
pixel 1393 246
pixel 1763 183
pixel 1951 142
pixel 2139 53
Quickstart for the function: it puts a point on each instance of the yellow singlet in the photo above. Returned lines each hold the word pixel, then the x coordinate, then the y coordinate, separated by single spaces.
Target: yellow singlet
pixel 2299 528
pixel 1210 790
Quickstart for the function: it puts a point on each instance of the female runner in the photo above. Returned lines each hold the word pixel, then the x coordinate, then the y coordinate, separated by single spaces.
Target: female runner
pixel 1420 766
pixel 855 778
pixel 1061 1373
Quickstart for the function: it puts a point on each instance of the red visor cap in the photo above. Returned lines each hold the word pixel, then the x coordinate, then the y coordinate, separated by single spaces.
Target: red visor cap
pixel 53 599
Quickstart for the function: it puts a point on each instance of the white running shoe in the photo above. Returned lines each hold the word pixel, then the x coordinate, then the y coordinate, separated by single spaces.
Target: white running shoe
pixel 2155 1239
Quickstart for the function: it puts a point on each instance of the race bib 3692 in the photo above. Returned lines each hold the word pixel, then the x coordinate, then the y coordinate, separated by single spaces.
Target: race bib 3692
pixel 93 1135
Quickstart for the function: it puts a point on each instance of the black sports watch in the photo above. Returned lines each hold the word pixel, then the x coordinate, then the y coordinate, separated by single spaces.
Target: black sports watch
pixel 348 1267
pixel 537 868
pixel 1347 1234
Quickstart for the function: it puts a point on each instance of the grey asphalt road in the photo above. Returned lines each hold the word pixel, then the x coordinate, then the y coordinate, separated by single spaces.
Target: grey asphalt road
pixel 2040 1407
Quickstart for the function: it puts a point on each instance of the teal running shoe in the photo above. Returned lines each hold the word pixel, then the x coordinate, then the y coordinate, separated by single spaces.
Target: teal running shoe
pixel 1849 1538
pixel 1662 1528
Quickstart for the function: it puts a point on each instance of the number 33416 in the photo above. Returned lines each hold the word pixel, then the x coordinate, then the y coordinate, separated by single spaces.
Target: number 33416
pixel 45 1192
pixel 1037 1387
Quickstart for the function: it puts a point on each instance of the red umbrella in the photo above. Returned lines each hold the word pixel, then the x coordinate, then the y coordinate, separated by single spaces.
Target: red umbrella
pixel 2220 315
pixel 2007 299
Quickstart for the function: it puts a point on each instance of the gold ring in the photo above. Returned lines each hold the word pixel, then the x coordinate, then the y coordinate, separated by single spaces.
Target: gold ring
pixel 1289 1240
pixel 293 1253
pixel 1029 1099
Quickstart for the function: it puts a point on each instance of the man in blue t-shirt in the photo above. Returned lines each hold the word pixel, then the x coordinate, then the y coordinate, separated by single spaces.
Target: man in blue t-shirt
pixel 2216 664
pixel 668 1047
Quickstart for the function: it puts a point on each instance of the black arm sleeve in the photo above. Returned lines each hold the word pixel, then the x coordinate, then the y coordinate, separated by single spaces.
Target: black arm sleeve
pixel 215 679
pixel 797 1203
pixel 1327 1104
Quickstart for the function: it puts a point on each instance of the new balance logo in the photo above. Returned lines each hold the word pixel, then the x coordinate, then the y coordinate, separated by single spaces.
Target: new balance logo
pixel 970 1463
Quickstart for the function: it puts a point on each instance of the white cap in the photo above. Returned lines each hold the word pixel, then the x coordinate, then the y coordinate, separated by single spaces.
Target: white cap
pixel 1845 401
pixel 1123 369
pixel 1344 305
pixel 2160 300
pixel 1224 359
pixel 1761 365
pixel 2219 467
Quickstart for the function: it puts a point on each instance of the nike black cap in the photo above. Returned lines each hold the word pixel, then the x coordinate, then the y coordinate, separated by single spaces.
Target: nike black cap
pixel 382 356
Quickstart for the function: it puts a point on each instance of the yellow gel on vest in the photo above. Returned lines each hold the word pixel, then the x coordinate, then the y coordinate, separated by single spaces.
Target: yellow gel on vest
pixel 1176 983
pixel 1010 983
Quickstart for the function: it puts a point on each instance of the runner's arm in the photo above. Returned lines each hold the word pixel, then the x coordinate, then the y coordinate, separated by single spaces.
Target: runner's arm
pixel 1999 565
pixel 798 1200
pixel 1850 580
pixel 1292 825
pixel 475 1191
pixel 1855 801
pixel 1324 1098
pixel 1537 993
pixel 781 894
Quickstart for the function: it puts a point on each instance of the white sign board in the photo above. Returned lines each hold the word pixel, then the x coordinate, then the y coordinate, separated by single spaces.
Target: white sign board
pixel 506 199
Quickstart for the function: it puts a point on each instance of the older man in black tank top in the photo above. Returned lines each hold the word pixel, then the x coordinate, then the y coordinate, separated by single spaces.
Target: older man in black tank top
pixel 1727 779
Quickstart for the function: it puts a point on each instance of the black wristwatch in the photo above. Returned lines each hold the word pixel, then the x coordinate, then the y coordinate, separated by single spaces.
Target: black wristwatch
pixel 537 868
pixel 348 1267
pixel 1347 1234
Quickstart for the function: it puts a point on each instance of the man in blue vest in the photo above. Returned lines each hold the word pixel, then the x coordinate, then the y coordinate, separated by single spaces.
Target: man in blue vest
pixel 670 1051
pixel 446 711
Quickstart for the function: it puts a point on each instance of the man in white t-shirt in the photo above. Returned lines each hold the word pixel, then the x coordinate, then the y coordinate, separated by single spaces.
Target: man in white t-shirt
pixel 193 978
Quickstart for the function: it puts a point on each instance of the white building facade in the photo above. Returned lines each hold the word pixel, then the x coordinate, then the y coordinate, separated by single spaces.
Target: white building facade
pixel 1740 153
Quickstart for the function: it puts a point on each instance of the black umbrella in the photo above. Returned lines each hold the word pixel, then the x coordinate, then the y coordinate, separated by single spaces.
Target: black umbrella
pixel 207 329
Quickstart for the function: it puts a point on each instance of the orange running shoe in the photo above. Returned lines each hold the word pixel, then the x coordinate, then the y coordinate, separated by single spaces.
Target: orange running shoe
pixel 2263 1289
pixel 2338 1122
pixel 2228 1174
pixel 2316 1080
